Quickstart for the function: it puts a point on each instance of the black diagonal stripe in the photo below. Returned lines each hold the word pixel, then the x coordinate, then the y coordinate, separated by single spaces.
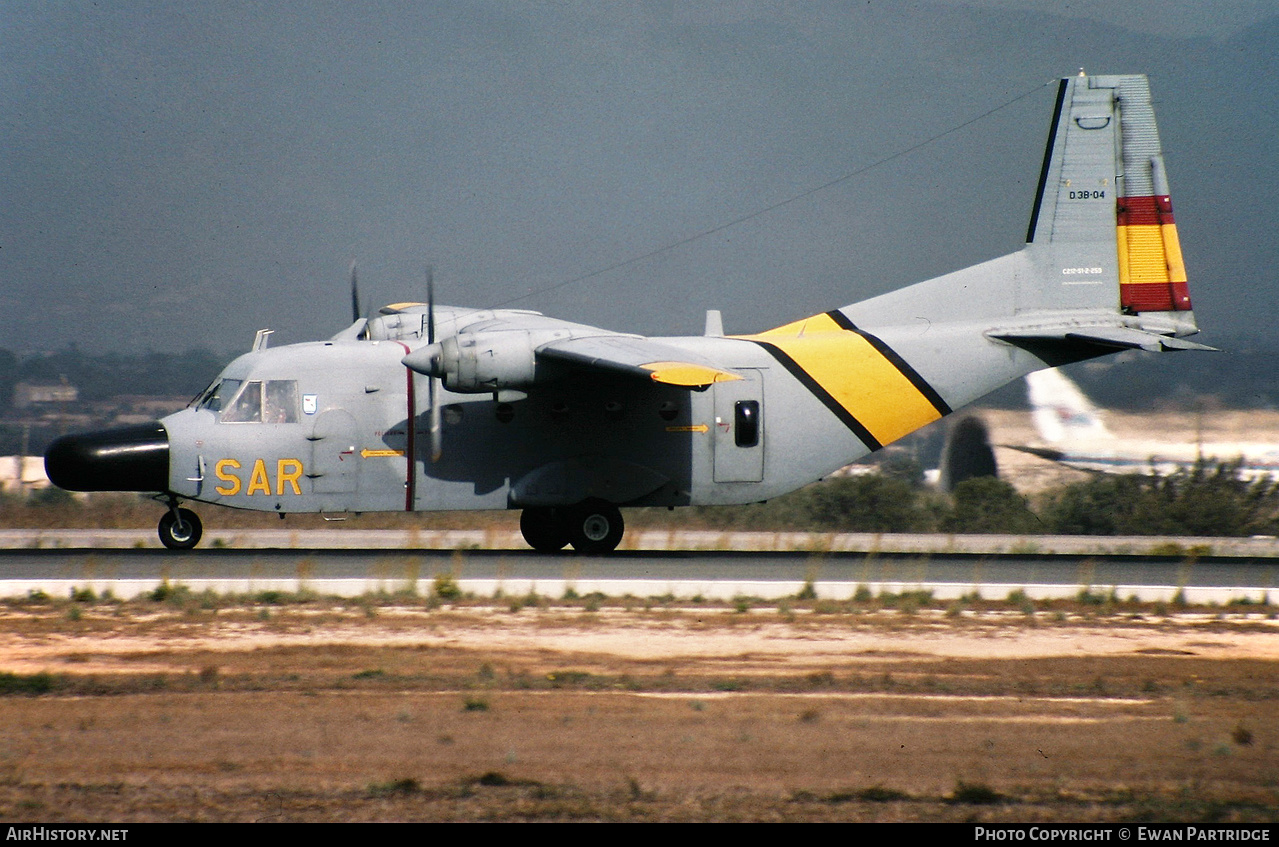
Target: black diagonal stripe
pixel 1048 160
pixel 921 385
pixel 845 416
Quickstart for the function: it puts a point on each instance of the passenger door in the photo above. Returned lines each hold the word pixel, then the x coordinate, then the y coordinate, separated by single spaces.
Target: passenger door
pixel 739 428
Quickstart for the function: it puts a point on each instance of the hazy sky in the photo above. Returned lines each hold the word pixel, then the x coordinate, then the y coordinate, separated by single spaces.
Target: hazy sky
pixel 1220 19
pixel 182 174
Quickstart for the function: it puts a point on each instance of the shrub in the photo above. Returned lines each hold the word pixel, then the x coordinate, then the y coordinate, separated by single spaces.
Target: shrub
pixel 1206 500
pixel 974 794
pixel 868 503
pixel 446 587
pixel 34 683
pixel 989 505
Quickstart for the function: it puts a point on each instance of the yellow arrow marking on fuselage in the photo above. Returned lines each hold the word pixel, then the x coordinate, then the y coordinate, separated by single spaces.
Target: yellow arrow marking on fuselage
pixel 696 428
pixel 380 453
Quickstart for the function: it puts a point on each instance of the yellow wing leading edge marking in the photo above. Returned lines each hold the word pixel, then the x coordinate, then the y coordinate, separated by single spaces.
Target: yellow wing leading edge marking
pixel 875 392
pixel 687 374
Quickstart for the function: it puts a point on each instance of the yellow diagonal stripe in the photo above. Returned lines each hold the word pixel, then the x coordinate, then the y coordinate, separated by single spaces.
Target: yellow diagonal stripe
pixel 862 381
pixel 856 375
pixel 817 323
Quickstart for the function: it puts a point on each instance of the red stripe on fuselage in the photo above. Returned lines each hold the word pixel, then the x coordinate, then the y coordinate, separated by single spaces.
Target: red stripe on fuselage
pixel 410 445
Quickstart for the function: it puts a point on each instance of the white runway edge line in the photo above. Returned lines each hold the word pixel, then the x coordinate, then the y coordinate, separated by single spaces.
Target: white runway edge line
pixel 678 589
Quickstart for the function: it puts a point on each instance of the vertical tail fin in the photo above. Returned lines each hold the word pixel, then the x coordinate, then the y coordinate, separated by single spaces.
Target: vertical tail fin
pixel 1103 215
pixel 1102 268
pixel 1101 271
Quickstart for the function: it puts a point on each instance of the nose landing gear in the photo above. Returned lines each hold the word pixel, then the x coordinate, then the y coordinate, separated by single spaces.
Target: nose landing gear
pixel 179 529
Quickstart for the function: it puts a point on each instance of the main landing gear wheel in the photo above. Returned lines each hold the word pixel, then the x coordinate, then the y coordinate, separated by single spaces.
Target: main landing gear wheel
pixel 594 527
pixel 180 529
pixel 543 528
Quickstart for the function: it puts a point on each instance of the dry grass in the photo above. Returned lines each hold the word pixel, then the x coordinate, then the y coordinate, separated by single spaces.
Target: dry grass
pixel 199 708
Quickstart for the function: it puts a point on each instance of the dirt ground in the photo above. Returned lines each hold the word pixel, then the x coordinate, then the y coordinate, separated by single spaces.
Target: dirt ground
pixel 198 709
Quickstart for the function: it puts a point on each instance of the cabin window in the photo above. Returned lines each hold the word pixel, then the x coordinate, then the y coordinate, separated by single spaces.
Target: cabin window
pixel 746 423
pixel 269 401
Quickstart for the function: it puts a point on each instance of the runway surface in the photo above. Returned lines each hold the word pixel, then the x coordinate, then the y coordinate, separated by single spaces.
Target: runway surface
pixel 762 565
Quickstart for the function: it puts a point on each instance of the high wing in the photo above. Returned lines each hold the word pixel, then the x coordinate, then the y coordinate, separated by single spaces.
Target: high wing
pixel 637 356
pixel 509 349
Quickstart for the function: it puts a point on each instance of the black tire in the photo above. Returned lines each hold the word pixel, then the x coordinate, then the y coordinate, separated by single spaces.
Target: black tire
pixel 543 529
pixel 180 532
pixel 595 527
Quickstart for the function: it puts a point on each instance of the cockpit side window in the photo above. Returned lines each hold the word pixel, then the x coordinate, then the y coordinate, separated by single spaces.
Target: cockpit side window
pixel 270 401
pixel 246 407
pixel 216 395
pixel 280 401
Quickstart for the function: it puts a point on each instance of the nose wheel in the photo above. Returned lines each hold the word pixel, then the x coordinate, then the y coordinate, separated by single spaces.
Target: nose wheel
pixel 180 529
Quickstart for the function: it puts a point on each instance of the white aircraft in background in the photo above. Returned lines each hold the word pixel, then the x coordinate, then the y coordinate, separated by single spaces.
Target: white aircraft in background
pixel 1077 437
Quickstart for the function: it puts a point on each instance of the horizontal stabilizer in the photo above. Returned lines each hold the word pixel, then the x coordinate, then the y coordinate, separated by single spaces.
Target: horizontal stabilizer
pixel 1119 337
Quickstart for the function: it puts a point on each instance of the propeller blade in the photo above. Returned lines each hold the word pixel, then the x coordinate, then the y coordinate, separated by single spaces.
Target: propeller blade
pixel 436 424
pixel 355 295
pixel 430 305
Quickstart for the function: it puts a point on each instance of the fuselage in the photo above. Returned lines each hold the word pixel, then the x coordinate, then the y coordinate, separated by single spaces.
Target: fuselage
pixel 340 426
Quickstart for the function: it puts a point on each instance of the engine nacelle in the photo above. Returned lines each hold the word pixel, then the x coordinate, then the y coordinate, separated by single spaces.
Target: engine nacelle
pixel 479 362
pixel 488 361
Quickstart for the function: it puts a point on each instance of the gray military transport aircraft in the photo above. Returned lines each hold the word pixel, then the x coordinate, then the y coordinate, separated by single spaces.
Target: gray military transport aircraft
pixel 425 407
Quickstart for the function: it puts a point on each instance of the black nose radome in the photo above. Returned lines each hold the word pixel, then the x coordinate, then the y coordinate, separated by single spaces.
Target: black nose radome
pixel 131 458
